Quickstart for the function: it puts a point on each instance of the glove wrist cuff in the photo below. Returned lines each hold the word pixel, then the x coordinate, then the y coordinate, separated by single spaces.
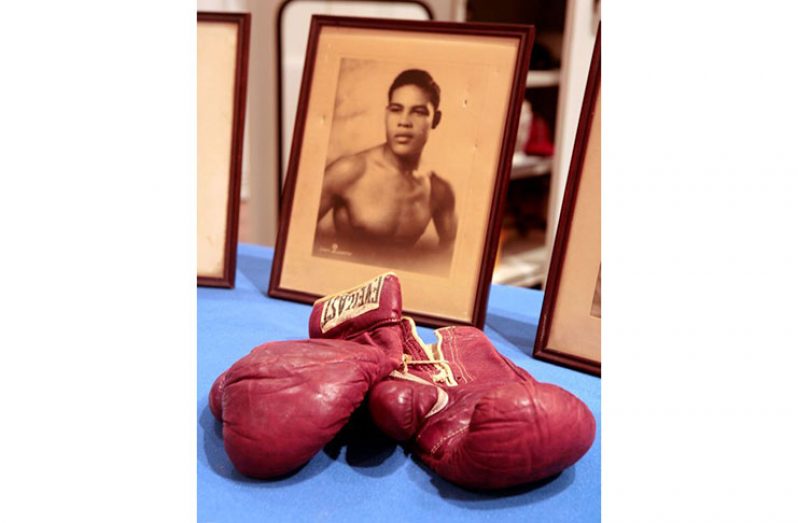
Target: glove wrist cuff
pixel 351 312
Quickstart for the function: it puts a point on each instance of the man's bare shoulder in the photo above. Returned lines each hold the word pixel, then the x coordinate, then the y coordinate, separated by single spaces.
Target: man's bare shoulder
pixel 346 164
pixel 441 191
pixel 347 169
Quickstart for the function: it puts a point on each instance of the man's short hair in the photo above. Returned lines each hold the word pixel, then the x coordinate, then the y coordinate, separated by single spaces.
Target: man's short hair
pixel 420 79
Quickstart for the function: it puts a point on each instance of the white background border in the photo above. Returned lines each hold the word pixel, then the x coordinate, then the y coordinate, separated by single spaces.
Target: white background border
pixel 699 272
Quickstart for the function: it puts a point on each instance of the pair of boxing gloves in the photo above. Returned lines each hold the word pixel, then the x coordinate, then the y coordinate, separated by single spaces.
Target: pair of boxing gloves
pixel 471 415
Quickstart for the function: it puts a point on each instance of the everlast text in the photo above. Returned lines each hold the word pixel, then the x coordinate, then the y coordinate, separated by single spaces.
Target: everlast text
pixel 351 303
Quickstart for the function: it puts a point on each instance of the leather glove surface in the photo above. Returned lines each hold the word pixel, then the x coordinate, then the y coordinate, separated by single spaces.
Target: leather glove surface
pixel 474 417
pixel 281 403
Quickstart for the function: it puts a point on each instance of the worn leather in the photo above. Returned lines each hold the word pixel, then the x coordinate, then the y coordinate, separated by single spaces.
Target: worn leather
pixel 477 419
pixel 281 403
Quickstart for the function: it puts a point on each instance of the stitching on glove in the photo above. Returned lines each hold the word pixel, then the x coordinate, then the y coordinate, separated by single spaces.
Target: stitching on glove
pixel 457 356
pixel 445 374
pixel 441 442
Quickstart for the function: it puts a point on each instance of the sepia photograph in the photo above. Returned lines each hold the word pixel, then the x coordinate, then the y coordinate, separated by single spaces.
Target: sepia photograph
pixel 400 156
pixel 386 198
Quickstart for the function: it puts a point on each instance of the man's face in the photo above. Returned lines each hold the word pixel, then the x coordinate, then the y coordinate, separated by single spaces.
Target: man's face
pixel 408 119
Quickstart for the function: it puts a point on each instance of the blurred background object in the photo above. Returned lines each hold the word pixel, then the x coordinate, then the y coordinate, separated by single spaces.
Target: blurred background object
pixel 565 32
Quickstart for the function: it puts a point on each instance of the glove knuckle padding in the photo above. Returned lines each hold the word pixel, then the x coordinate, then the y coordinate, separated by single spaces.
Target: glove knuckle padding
pixel 284 402
pixel 518 433
pixel 499 428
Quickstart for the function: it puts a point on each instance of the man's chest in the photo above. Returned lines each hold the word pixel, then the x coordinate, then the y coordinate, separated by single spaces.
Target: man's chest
pixel 388 204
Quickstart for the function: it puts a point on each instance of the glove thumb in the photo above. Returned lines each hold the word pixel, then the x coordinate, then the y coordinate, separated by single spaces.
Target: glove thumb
pixel 399 407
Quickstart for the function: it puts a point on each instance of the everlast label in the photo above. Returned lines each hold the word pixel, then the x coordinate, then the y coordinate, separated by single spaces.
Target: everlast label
pixel 350 304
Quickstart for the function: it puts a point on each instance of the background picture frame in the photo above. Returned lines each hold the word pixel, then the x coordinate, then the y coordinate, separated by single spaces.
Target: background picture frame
pixel 569 332
pixel 222 61
pixel 329 239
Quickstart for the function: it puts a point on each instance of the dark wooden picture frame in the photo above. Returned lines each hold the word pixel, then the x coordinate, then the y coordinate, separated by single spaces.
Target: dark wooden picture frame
pixel 481 68
pixel 217 215
pixel 572 338
pixel 351 10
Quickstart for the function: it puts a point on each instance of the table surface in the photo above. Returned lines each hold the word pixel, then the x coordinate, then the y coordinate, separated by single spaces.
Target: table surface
pixel 361 474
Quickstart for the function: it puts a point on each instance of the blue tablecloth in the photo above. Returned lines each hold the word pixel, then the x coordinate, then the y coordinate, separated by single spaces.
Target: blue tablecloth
pixel 362 476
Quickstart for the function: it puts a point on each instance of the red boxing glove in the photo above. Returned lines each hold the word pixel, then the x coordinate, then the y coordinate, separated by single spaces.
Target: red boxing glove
pixel 285 400
pixel 477 419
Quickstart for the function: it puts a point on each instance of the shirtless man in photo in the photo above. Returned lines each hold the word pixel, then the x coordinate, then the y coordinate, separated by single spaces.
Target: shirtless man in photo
pixel 385 197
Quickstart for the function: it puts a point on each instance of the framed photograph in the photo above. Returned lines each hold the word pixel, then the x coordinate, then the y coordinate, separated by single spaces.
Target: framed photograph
pixel 222 55
pixel 569 332
pixel 400 161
